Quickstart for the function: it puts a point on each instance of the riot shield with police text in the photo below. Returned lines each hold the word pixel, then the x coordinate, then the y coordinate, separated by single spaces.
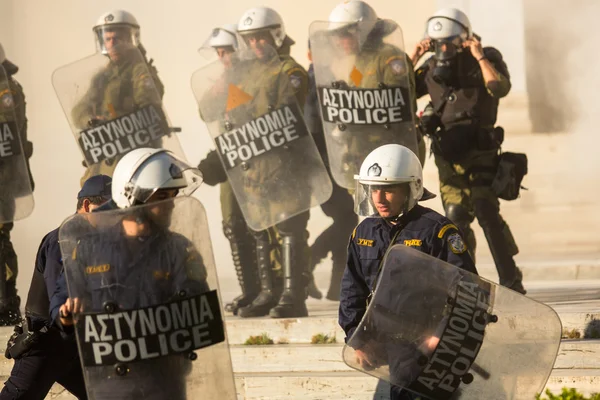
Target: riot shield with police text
pixel 16 197
pixel 445 333
pixel 113 105
pixel 148 315
pixel 256 123
pixel 365 85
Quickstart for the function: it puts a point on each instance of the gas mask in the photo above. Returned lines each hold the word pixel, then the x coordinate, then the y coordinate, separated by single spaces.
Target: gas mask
pixel 445 56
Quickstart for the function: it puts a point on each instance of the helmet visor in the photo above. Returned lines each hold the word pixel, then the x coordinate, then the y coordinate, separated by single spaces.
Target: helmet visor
pixel 374 199
pixel 181 177
pixel 114 39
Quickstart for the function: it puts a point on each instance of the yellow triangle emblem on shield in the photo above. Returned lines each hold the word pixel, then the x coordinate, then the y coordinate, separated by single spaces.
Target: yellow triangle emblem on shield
pixel 356 76
pixel 236 97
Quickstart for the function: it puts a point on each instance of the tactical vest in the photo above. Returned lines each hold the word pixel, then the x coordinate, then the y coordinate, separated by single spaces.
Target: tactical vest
pixel 468 102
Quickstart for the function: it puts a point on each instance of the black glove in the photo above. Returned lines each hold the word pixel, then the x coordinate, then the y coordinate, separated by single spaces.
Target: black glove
pixel 212 169
pixel 429 121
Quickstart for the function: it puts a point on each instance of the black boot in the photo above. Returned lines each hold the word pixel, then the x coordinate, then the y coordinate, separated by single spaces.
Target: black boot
pixel 295 265
pixel 502 251
pixel 267 298
pixel 243 252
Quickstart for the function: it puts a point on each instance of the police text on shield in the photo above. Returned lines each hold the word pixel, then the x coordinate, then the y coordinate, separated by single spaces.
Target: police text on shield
pixel 261 135
pixel 9 140
pixel 459 343
pixel 123 134
pixel 141 334
pixel 365 106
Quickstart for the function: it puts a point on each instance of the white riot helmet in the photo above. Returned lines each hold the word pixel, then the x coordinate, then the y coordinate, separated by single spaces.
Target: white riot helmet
pixel 263 18
pixel 449 26
pixel 223 36
pixel 355 17
pixel 387 165
pixel 122 23
pixel 141 172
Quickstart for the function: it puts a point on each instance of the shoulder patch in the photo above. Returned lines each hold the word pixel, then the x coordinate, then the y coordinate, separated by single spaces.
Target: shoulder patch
pixel 445 228
pixel 353 233
pixel 147 80
pixel 296 81
pixel 397 65
pixel 456 243
pixel 6 99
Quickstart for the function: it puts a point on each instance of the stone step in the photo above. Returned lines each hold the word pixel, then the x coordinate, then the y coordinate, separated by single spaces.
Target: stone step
pixel 348 385
pixel 572 354
pixel 301 330
pixel 357 386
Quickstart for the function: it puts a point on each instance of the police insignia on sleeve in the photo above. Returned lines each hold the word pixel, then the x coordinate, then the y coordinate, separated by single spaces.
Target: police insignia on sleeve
pixel 457 245
pixel 7 100
pixel 397 67
pixel 296 81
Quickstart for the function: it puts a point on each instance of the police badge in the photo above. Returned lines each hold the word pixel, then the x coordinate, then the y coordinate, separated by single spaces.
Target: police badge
pixel 457 245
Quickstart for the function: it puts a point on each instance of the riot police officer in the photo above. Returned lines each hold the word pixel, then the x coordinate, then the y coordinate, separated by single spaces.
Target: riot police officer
pixel 358 54
pixel 42 356
pixel 12 110
pixel 465 83
pixel 388 189
pixel 126 83
pixel 263 30
pixel 135 262
pixel 223 41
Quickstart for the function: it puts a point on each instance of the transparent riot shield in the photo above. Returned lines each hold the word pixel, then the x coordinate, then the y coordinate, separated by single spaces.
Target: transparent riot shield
pixel 445 333
pixel 365 85
pixel 270 158
pixel 113 106
pixel 149 320
pixel 16 197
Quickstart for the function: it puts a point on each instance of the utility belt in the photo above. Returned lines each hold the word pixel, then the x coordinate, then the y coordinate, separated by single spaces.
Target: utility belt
pixel 454 143
pixel 24 339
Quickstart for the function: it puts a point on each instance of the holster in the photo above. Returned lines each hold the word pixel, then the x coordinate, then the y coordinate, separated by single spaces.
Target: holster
pixel 22 340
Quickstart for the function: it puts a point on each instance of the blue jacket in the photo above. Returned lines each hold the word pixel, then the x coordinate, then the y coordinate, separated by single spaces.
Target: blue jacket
pixel 132 272
pixel 48 267
pixel 421 228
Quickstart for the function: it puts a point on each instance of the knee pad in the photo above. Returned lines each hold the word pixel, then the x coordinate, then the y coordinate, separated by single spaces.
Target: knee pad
pixel 459 214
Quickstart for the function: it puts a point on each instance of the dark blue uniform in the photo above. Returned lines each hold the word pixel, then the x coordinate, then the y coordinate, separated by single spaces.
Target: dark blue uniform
pixel 421 228
pixel 134 272
pixel 54 358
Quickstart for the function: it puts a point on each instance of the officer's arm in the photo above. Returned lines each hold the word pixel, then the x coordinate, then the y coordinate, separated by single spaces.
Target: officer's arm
pixel 495 73
pixel 190 274
pixel 145 90
pixel 448 245
pixel 420 74
pixel 354 292
pixel 59 297
pixel 157 82
pixel 21 116
pixel 88 107
pixel 53 265
pixel 212 169
pixel 38 299
pixel 299 84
